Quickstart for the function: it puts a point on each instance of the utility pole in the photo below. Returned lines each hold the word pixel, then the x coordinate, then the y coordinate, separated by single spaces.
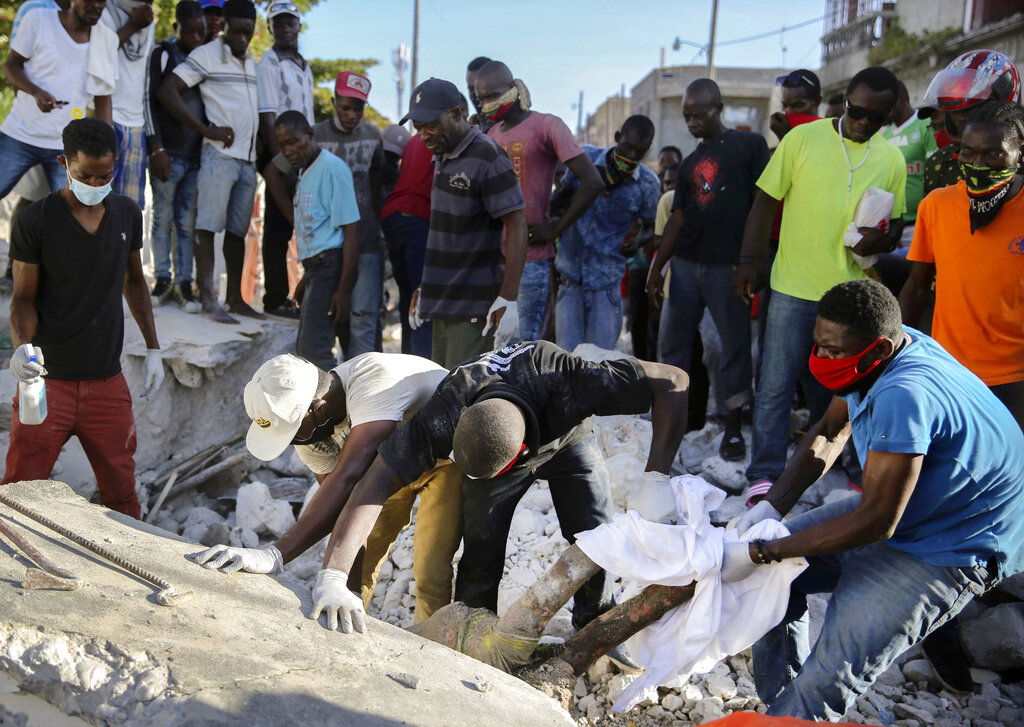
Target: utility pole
pixel 400 58
pixel 416 42
pixel 711 40
pixel 579 116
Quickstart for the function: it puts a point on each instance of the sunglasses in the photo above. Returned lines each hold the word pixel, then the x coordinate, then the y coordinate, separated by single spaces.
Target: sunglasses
pixel 795 79
pixel 507 467
pixel 876 118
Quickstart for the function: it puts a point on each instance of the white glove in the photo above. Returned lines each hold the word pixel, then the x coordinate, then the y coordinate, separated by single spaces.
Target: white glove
pixel 331 593
pixel 252 560
pixel 508 326
pixel 154 372
pixel 414 316
pixel 656 499
pixel 763 510
pixel 736 562
pixel 23 368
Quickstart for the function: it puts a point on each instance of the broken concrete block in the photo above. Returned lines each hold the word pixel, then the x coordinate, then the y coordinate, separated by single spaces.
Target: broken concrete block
pixel 624 473
pixel 194 533
pixel 672 702
pixel 919 670
pixel 720 686
pixel 996 640
pixel 406 680
pixel 201 516
pixel 707 710
pixel 617 685
pixel 216 534
pixel 261 513
pixel 730 476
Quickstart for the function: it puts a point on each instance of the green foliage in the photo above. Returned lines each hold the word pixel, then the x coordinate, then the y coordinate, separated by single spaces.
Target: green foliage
pixel 897 42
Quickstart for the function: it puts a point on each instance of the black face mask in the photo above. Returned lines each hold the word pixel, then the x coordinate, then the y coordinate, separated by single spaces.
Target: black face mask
pixel 321 432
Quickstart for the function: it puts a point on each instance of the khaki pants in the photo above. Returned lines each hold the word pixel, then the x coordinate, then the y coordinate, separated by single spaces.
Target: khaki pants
pixel 435 540
pixel 455 342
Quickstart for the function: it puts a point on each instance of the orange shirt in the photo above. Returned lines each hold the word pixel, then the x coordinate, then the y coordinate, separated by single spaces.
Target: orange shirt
pixel 979 282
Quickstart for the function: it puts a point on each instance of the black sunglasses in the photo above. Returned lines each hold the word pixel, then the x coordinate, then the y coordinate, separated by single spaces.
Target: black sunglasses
pixel 877 118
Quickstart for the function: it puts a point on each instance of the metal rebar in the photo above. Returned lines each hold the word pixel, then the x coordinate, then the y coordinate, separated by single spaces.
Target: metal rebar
pixel 167 595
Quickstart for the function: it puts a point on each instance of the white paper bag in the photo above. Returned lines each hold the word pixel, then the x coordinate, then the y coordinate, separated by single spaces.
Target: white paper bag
pixel 873 210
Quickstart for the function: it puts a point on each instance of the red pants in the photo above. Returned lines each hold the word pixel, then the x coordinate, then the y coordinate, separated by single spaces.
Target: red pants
pixel 99 413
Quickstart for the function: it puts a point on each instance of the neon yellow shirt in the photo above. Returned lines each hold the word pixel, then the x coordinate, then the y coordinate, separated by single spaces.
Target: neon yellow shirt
pixel 810 172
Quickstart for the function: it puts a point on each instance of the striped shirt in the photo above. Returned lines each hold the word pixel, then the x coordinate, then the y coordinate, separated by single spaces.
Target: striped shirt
pixel 474 186
pixel 228 87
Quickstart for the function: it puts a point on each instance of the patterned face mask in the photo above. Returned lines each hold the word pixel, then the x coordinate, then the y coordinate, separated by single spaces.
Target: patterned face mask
pixel 987 191
pixel 497 108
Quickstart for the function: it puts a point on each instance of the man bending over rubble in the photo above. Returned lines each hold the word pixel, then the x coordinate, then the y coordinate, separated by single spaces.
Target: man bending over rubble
pixel 940 520
pixel 508 418
pixel 336 420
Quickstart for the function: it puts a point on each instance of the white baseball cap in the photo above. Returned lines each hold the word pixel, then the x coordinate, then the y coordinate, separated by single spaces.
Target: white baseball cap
pixel 276 400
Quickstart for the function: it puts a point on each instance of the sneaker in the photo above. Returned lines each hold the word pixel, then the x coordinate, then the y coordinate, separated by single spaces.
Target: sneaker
pixel 732 448
pixel 160 290
pixel 284 312
pixel 942 647
pixel 620 656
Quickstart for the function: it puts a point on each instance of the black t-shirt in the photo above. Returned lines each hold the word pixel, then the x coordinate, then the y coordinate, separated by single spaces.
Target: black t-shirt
pixel 556 390
pixel 81 279
pixel 715 189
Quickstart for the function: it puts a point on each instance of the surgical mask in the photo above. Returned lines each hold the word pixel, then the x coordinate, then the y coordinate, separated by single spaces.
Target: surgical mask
pixel 838 374
pixel 87 194
pixel 987 191
pixel 497 108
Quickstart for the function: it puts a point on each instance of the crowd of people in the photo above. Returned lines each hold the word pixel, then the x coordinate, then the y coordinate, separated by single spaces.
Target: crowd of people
pixel 807 264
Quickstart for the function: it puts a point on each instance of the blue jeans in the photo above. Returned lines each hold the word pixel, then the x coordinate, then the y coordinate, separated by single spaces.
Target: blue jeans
pixel 788 339
pixel 587 316
pixel 692 287
pixel 16 158
pixel 883 602
pixel 582 498
pixel 174 211
pixel 364 320
pixel 316 330
pixel 533 299
pixel 406 236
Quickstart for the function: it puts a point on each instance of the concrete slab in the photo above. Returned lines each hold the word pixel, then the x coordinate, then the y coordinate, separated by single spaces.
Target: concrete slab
pixel 240 653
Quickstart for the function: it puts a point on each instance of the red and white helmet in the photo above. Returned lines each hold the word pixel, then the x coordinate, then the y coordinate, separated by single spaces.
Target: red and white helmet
pixel 976 76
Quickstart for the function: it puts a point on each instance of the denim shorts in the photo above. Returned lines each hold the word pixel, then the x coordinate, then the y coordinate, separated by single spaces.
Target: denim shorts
pixel 227 190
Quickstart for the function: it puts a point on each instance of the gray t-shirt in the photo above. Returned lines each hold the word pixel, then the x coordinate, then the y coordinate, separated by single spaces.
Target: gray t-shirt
pixel 362 151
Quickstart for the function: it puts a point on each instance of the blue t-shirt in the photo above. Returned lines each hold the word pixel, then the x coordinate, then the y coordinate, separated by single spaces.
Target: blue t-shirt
pixel 968 504
pixel 325 199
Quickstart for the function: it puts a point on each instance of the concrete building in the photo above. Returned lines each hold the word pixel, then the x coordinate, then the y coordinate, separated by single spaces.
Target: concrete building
pixel 747 94
pixel 915 38
pixel 600 127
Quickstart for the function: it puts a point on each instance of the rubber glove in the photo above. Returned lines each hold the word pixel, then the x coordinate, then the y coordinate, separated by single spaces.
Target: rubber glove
pixel 656 499
pixel 736 562
pixel 331 593
pixel 414 315
pixel 761 511
pixel 23 368
pixel 154 372
pixel 252 560
pixel 508 326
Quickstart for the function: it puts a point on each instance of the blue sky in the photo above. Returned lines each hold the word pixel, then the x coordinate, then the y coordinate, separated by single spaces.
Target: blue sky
pixel 558 47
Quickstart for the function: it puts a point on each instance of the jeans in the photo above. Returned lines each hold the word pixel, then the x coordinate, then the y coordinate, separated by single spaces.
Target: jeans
pixel 533 299
pixel 16 158
pixel 789 337
pixel 174 210
pixel 582 499
pixel 587 316
pixel 315 339
pixel 406 237
pixel 883 603
pixel 692 287
pixel 227 190
pixel 364 320
pixel 99 413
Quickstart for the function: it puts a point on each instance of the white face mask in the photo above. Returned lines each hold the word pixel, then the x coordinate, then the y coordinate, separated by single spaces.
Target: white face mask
pixel 87 194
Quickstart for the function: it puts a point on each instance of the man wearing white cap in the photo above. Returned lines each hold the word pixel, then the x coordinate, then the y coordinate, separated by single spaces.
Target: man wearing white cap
pixel 336 420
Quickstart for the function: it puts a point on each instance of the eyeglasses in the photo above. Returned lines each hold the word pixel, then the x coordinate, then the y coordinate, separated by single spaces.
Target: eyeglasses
pixel 876 118
pixel 507 467
pixel 796 78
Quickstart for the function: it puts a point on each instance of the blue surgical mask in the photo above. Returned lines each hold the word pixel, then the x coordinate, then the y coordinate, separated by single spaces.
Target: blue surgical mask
pixel 87 194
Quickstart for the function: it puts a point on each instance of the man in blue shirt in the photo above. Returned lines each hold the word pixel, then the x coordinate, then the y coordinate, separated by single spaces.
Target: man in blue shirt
pixel 327 237
pixel 590 260
pixel 940 520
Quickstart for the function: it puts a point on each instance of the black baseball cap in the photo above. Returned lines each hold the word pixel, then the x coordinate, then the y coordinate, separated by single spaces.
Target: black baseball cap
pixel 801 77
pixel 431 99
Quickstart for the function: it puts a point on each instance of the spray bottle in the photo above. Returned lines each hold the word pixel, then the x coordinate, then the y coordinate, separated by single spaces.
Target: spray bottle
pixel 32 396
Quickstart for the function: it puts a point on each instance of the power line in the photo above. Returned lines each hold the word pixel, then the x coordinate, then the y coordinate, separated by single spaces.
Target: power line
pixel 749 38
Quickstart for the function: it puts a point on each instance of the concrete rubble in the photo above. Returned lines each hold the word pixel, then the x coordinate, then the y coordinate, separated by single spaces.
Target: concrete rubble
pixel 241 653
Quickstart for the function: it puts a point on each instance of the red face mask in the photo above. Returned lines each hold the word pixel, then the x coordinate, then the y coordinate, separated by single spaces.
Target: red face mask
pixel 502 110
pixel 836 374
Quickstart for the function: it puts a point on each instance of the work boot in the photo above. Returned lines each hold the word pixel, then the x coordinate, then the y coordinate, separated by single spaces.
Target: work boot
pixel 159 293
pixel 942 647
pixel 622 658
pixel 287 311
